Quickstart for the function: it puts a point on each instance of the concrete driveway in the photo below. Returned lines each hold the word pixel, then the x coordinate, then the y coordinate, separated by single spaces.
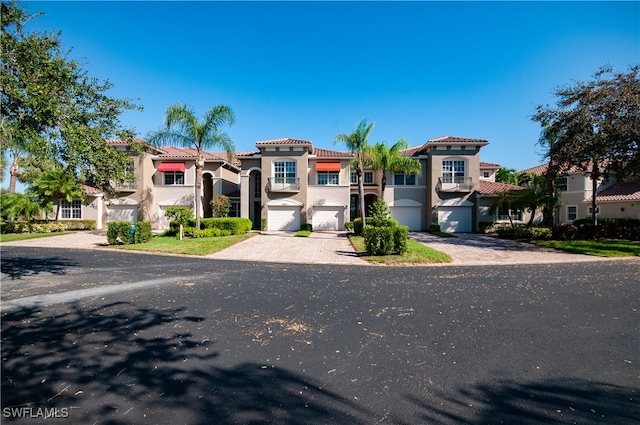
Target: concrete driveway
pixel 466 249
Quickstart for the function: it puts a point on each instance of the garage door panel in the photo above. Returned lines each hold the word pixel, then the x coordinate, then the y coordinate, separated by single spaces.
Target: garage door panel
pixel 122 213
pixel 283 218
pixel 407 216
pixel 454 219
pixel 327 218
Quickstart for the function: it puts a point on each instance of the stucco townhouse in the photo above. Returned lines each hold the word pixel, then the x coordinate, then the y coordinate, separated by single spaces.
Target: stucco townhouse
pixel 287 182
pixel 614 198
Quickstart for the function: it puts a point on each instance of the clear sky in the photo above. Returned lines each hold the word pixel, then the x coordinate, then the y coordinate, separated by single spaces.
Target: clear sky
pixel 311 70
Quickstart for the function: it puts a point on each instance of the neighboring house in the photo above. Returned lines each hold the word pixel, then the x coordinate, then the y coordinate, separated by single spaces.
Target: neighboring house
pixel 160 178
pixel 613 200
pixel 287 182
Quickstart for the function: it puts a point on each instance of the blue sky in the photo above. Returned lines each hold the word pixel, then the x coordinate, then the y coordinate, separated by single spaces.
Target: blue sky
pixel 311 70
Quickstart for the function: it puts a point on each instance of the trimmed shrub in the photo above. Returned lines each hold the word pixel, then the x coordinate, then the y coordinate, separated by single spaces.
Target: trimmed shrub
pixel 118 233
pixel 348 226
pixel 434 228
pixel 235 225
pixel 306 227
pixel 627 228
pixel 378 240
pixel 208 233
pixel 143 232
pixel 220 205
pixel 400 237
pixel 524 233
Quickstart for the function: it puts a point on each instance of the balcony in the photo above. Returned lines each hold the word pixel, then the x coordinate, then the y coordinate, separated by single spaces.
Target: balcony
pixel 282 184
pixel 127 186
pixel 455 184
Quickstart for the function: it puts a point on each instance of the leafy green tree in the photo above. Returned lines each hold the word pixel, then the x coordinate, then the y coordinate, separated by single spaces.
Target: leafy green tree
pixel 356 142
pixel 220 205
pixel 180 215
pixel 57 184
pixel 596 126
pixel 26 205
pixel 52 108
pixel 507 176
pixel 384 158
pixel 505 201
pixel 185 130
pixel 534 195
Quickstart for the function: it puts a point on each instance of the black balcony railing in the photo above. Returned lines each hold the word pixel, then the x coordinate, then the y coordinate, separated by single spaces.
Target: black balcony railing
pixel 284 184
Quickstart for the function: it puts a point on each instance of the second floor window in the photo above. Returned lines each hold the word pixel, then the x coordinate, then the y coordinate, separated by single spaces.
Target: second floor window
pixel 562 184
pixel 401 179
pixel 328 177
pixel 173 178
pixel 284 172
pixel 452 171
pixel 367 177
pixel 572 212
pixel 71 209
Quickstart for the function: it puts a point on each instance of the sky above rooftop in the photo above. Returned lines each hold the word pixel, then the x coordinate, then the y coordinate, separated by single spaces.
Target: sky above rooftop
pixel 311 70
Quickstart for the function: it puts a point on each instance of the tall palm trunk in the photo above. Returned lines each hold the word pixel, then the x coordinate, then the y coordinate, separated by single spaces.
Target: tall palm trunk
pixel 198 194
pixel 14 172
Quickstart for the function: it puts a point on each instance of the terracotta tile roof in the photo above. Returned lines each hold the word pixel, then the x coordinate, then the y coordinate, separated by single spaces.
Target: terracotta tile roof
pixel 414 151
pixel 90 190
pixel 454 140
pixel 538 169
pixel 284 141
pixel 326 153
pixel 245 154
pixel 171 152
pixel 494 188
pixel 489 165
pixel 625 192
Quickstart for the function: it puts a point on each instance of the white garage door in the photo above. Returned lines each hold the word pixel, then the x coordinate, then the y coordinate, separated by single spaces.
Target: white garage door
pixel 328 218
pixel 283 218
pixel 454 219
pixel 407 216
pixel 122 213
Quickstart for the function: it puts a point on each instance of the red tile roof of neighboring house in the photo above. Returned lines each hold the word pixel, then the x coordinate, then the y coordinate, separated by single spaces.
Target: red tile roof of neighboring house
pixel 326 153
pixel 453 140
pixel 246 153
pixel 90 190
pixel 171 152
pixel 284 141
pixel 489 165
pixel 538 169
pixel 542 168
pixel 494 188
pixel 629 191
pixel 414 151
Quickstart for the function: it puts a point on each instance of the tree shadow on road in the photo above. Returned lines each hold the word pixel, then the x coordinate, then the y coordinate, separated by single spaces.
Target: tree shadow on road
pixel 20 267
pixel 557 401
pixel 122 364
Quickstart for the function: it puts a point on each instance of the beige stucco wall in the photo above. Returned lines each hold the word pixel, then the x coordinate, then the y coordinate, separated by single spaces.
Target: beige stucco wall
pixel 285 153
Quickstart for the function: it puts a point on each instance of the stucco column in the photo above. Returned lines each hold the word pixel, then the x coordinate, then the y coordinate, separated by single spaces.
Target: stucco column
pixel 245 191
pixel 99 219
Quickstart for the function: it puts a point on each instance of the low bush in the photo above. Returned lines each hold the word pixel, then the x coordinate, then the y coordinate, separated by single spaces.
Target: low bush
pixel 306 227
pixel 348 226
pixel 357 226
pixel 118 232
pixel 434 228
pixel 386 240
pixel 142 232
pixel 44 226
pixel 628 229
pixel 209 232
pixel 235 225
pixel 524 233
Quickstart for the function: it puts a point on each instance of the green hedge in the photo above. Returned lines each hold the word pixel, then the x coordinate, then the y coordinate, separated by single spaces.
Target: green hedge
pixel 46 226
pixel 385 240
pixel 236 225
pixel 525 233
pixel 120 232
pixel 606 229
pixel 306 227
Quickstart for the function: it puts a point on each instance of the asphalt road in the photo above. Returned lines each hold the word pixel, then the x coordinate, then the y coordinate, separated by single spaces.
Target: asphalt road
pixel 99 337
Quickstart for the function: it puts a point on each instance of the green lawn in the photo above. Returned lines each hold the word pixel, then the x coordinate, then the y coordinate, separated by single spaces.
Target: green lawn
pixel 10 237
pixel 608 248
pixel 189 246
pixel 417 253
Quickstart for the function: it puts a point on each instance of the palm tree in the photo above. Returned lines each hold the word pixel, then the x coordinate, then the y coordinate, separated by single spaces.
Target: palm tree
pixel 57 183
pixel 386 158
pixel 356 142
pixel 504 201
pixel 183 129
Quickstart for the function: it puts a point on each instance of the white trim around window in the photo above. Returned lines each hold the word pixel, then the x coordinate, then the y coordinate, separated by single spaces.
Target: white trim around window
pixel 572 212
pixel 173 178
pixel 328 178
pixel 71 210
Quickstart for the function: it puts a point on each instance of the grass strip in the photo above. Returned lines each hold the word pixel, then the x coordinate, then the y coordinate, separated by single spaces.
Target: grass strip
pixel 187 246
pixel 600 248
pixel 10 237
